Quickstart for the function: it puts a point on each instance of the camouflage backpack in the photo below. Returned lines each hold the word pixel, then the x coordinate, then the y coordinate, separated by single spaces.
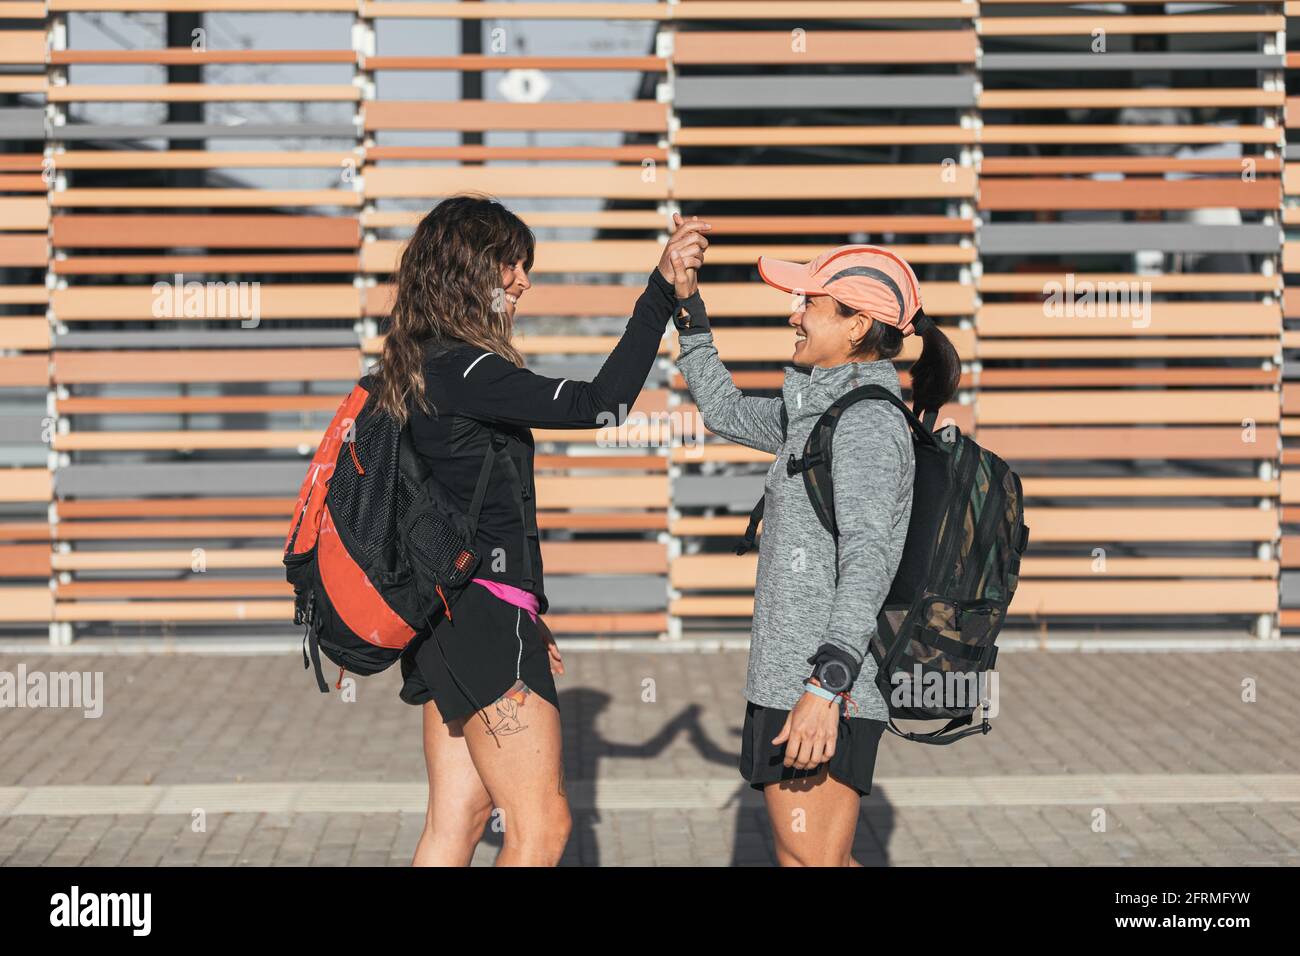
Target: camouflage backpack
pixel 934 643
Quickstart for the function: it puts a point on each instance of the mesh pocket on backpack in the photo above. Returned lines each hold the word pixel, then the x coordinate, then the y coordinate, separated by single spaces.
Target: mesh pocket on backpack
pixel 365 507
pixel 437 545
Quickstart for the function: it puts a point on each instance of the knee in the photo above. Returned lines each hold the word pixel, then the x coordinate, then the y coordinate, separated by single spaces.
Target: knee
pixel 540 833
pixel 465 824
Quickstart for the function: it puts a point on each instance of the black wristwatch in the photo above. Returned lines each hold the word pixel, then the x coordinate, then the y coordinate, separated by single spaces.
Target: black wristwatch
pixel 834 675
pixel 835 668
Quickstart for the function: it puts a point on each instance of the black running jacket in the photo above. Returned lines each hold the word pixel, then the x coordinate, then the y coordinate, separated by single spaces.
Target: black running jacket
pixel 473 392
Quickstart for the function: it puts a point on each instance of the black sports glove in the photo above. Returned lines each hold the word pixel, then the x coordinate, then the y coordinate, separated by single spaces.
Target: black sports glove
pixel 690 316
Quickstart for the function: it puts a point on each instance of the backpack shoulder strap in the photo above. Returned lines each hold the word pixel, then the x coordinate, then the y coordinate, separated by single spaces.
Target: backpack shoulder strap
pixel 756 513
pixel 419 473
pixel 496 444
pixel 816 463
pixel 928 418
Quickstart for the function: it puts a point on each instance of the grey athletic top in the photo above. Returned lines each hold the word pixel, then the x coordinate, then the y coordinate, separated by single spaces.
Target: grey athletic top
pixel 805 594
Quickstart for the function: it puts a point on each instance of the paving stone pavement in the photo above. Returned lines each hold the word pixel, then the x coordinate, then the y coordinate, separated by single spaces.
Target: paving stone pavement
pixel 171 719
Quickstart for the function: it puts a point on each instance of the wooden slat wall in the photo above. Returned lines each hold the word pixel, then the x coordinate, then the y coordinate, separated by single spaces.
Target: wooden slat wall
pixel 1289 491
pixel 1174 377
pixel 184 419
pixel 998 148
pixel 25 459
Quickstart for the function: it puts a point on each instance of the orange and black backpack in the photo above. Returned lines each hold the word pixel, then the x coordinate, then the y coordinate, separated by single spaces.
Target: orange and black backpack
pixel 376 552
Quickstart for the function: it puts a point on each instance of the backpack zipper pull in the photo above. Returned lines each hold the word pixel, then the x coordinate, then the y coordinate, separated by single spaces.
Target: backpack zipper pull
pixel 438 588
pixel 339 685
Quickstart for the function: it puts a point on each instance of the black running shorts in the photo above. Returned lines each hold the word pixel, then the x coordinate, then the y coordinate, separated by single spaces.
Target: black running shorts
pixel 469 662
pixel 853 764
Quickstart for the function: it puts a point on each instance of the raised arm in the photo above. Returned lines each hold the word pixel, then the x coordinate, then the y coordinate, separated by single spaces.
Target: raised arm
pixel 494 389
pixel 745 419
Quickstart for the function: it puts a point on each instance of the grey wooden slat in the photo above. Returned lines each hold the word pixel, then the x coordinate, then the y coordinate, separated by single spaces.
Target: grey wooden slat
pixel 21 429
pixel 1132 61
pixel 1103 237
pixel 23 456
pixel 738 492
pixel 607 592
pixel 185 478
pixel 19 122
pixel 1290 588
pixel 211 338
pixel 860 91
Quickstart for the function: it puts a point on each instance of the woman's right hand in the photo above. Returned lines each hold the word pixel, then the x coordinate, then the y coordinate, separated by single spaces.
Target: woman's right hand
pixel 684 254
pixel 809 733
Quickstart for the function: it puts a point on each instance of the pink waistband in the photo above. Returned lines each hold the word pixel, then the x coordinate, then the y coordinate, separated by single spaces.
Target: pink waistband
pixel 512 595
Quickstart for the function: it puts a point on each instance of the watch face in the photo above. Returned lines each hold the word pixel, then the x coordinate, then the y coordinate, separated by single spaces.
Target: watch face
pixel 834 676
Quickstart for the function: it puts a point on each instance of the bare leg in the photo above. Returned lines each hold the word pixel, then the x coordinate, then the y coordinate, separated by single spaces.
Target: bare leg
pixel 515 744
pixel 813 820
pixel 459 804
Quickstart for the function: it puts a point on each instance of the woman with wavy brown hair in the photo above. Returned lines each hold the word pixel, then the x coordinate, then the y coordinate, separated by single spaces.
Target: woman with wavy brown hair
pixel 485 676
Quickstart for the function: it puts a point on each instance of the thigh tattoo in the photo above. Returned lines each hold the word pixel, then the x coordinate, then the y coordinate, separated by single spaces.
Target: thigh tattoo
pixel 509 711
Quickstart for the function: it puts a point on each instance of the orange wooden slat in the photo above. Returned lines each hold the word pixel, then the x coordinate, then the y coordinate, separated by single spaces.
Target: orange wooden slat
pixel 640 116
pixel 185 56
pixel 218 198
pixel 24 561
pixel 191 265
pixel 1081 444
pixel 1108 98
pixel 25 371
pixel 197 405
pixel 26 484
pixel 274 301
pixel 26 604
pixel 205 365
pixel 1131 193
pixel 127 231
pixel 203 93
pixel 174 507
pixel 1154 165
pixel 478 61
pixel 151 590
pixel 1127 25
pixel 24 251
pixel 710 47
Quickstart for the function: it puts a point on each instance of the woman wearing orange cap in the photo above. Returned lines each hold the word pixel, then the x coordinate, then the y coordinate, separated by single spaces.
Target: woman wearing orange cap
pixel 814 715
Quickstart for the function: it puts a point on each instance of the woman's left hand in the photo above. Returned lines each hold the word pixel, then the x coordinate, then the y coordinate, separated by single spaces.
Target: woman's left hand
pixel 684 254
pixel 810 732
pixel 552 649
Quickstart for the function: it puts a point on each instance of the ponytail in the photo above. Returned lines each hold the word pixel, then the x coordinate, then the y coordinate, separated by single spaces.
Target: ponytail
pixel 937 373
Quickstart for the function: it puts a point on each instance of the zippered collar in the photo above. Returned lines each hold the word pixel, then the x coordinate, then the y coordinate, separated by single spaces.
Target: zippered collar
pixel 810 390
